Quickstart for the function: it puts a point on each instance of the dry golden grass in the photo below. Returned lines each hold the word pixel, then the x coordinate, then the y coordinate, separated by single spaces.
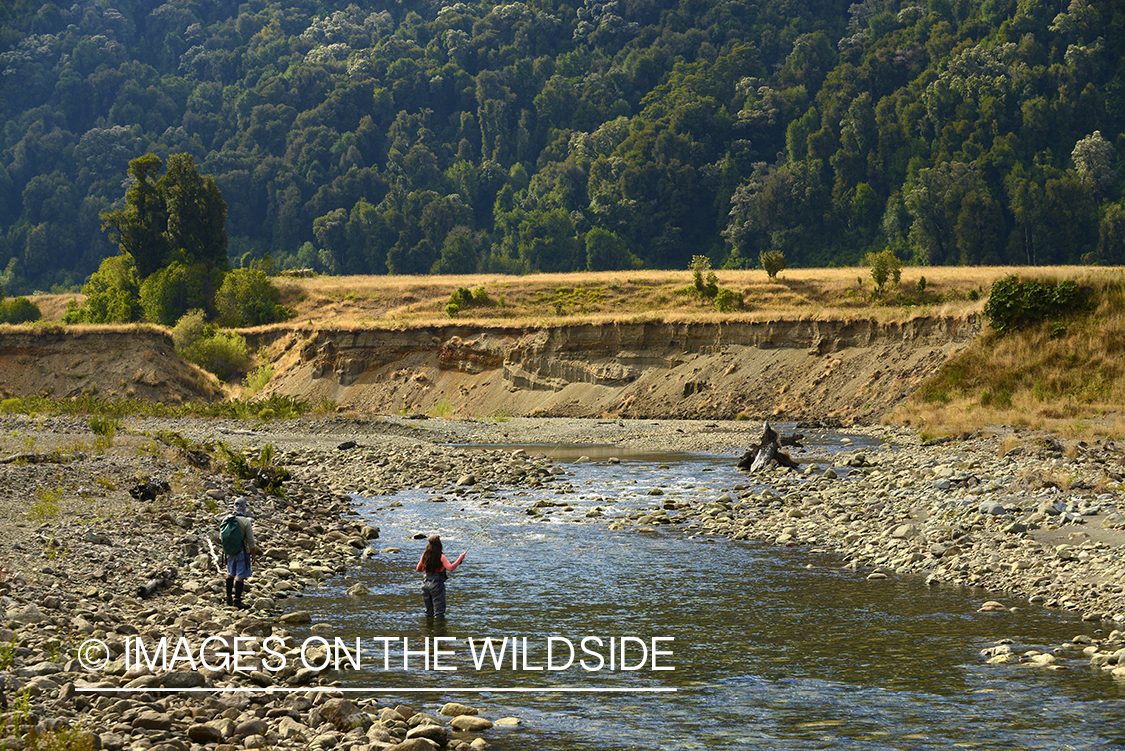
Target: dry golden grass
pixel 1067 377
pixel 622 296
pixel 52 307
pixel 560 299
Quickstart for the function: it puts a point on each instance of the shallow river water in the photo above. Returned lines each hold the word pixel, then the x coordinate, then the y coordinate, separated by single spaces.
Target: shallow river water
pixel 772 647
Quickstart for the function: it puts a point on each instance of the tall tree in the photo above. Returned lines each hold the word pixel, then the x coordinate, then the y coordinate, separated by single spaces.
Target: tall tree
pixel 139 228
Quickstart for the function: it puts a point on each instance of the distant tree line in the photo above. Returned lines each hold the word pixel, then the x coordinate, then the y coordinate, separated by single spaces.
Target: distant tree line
pixel 449 137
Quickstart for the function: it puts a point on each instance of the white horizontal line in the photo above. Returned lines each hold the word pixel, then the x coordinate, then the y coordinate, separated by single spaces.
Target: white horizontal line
pixel 384 690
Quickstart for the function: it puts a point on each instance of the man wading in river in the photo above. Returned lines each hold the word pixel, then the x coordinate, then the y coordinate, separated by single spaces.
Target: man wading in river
pixel 434 564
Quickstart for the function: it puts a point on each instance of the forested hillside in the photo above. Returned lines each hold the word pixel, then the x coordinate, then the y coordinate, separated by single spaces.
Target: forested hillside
pixel 418 136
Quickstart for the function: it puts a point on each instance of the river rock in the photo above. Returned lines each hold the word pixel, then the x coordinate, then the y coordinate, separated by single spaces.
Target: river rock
pixel 296 618
pixel 204 734
pixel 152 720
pixel 183 679
pixel 904 532
pixel 454 709
pixel 28 614
pixel 436 733
pixel 470 723
pixel 413 744
pixel 336 710
pixel 290 729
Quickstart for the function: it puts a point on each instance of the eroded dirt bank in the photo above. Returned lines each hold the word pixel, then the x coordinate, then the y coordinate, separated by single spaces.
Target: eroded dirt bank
pixel 137 362
pixel 849 370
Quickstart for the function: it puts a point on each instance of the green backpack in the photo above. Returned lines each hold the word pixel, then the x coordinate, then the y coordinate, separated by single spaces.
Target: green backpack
pixel 231 533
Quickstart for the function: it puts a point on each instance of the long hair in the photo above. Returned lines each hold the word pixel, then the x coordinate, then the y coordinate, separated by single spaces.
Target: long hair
pixel 431 559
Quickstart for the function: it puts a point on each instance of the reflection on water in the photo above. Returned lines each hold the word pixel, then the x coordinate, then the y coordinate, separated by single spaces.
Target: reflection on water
pixel 772 647
pixel 572 452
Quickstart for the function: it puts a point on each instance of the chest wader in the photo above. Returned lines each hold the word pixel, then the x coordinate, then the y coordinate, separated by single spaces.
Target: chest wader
pixel 433 594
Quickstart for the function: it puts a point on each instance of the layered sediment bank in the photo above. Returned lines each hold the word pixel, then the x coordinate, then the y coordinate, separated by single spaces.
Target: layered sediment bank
pixel 850 370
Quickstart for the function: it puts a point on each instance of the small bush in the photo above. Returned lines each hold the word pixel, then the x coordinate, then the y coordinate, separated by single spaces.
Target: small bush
pixel 174 290
pixel 102 425
pixel 885 267
pixel 188 330
pixel 19 310
pixel 257 379
pixel 773 261
pixel 112 294
pixel 46 505
pixel 248 298
pixel 705 281
pixel 1014 304
pixel 463 298
pixel 224 353
pixel 727 300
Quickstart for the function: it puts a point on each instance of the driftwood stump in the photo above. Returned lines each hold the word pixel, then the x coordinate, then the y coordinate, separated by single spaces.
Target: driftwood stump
pixel 769 450
pixel 159 582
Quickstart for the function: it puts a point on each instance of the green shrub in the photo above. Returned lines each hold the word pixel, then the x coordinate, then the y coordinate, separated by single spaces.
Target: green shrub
pixel 225 354
pixel 257 379
pixel 704 279
pixel 727 300
pixel 885 267
pixel 112 294
pixel 248 298
pixel 175 289
pixel 463 298
pixel 46 505
pixel 773 261
pixel 19 310
pixel 191 327
pixel 1015 304
pixel 102 425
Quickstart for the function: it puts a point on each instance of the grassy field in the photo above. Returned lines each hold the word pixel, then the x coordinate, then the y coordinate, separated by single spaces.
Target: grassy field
pixel 562 299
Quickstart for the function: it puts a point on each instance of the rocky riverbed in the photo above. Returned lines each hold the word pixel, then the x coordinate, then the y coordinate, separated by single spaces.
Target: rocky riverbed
pixel 1034 520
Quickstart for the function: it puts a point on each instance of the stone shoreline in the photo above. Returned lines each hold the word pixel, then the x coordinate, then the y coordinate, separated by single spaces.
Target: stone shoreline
pixel 1029 518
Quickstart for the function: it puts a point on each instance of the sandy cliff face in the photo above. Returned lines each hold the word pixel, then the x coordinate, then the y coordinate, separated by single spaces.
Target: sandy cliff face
pixel 138 363
pixel 793 369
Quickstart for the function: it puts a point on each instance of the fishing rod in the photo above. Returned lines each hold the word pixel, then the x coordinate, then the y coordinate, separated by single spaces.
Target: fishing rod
pixel 477 535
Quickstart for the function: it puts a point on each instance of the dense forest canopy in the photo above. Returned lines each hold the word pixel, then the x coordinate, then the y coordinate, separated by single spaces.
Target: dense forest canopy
pixel 419 136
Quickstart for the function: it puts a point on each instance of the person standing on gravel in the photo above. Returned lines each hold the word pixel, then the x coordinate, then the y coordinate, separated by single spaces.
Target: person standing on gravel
pixel 434 565
pixel 237 533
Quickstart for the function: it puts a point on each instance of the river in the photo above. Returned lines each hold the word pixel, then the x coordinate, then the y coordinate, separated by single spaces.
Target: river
pixel 772 647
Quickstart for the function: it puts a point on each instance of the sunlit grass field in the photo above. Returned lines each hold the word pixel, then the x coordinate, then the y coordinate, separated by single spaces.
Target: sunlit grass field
pixel 621 296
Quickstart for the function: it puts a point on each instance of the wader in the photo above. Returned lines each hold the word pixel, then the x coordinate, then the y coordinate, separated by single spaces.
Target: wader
pixel 433 594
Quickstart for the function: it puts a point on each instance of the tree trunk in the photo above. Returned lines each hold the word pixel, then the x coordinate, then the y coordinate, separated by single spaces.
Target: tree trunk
pixel 768 450
pixel 159 582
